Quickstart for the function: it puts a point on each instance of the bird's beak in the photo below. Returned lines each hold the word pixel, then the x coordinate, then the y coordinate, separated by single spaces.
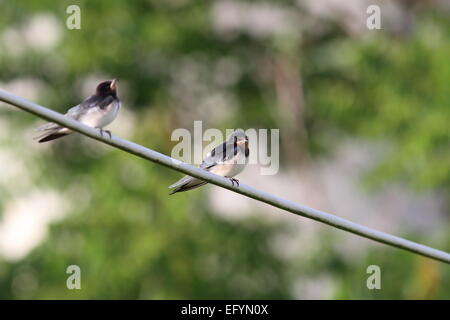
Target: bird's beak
pixel 113 84
pixel 242 141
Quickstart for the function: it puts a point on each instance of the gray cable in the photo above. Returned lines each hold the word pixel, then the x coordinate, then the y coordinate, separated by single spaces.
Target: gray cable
pixel 248 191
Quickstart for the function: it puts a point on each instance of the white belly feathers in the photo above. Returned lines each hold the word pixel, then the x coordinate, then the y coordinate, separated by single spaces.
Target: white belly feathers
pixel 98 118
pixel 231 167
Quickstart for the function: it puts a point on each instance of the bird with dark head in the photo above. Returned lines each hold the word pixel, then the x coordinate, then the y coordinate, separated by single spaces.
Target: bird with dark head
pixel 226 160
pixel 97 111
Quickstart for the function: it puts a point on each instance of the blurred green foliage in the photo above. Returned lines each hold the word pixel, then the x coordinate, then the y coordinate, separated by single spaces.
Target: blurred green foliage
pixel 132 241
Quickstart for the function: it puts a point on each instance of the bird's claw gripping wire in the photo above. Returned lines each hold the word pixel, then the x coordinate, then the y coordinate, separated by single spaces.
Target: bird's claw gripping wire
pixel 105 131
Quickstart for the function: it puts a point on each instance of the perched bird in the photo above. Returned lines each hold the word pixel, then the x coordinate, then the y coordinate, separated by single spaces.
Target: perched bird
pixel 97 111
pixel 226 160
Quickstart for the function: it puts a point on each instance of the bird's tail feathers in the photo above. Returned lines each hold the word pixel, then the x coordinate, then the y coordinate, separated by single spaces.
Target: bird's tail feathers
pixel 185 184
pixel 49 126
pixel 52 136
pixel 53 131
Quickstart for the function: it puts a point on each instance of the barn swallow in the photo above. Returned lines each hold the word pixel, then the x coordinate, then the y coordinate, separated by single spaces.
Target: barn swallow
pixel 97 111
pixel 226 160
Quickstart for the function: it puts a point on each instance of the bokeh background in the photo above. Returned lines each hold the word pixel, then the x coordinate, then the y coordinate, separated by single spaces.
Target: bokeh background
pixel 364 132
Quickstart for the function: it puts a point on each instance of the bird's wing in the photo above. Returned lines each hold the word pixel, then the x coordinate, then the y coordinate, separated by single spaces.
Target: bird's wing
pixel 220 154
pixel 73 112
pixel 92 102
